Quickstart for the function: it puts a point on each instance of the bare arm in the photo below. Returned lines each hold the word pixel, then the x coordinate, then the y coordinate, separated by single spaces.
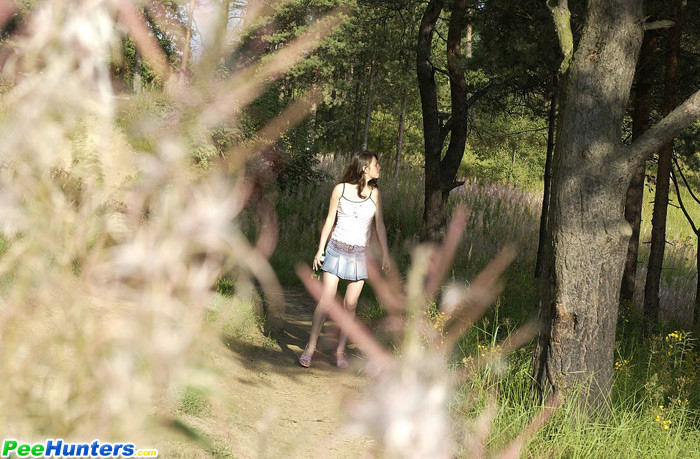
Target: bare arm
pixel 328 224
pixel 381 231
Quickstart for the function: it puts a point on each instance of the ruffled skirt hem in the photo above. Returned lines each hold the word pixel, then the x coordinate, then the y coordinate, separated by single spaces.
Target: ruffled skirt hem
pixel 346 262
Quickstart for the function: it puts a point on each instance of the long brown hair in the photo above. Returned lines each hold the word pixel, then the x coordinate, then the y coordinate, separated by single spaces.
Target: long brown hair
pixel 354 174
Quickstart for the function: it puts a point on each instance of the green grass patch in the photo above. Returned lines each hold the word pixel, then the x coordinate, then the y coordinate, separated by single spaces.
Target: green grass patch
pixel 194 402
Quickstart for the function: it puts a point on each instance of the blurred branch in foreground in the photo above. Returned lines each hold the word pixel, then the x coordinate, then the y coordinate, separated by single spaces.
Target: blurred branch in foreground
pixel 110 252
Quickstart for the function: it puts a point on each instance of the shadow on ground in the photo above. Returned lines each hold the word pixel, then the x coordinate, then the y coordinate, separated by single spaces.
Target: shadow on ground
pixel 284 339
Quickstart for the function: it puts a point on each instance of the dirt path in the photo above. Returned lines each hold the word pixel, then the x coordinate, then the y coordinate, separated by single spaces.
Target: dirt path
pixel 278 408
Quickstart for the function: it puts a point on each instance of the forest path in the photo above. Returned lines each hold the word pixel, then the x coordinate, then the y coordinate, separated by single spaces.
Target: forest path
pixel 282 409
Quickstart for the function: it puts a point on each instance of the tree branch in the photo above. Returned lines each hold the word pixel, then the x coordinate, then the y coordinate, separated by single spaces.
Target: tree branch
pixel 444 130
pixel 680 200
pixel 685 181
pixel 438 69
pixel 666 24
pixel 437 32
pixel 478 94
pixel 665 130
pixel 562 22
pixel 455 184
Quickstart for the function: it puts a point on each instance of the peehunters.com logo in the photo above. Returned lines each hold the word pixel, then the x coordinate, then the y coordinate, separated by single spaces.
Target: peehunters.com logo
pixel 59 448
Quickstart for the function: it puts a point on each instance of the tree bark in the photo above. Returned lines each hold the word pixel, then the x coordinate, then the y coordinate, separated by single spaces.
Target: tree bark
pixel 137 80
pixel 311 134
pixel 468 44
pixel 185 64
pixel 635 192
pixel 402 127
pixel 586 233
pixel 370 102
pixel 658 231
pixel 547 179
pixel 433 205
pixel 357 110
pixel 440 173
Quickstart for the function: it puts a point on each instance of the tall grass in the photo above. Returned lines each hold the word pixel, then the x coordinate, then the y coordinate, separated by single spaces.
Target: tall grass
pixel 498 214
pixel 654 404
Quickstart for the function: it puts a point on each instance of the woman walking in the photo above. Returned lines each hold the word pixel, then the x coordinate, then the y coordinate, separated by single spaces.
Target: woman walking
pixel 355 202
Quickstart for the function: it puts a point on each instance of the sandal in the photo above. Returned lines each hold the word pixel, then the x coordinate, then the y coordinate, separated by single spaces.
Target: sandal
pixel 341 360
pixel 305 361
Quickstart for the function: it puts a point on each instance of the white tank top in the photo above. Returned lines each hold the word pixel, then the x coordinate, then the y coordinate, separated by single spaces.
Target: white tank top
pixel 354 220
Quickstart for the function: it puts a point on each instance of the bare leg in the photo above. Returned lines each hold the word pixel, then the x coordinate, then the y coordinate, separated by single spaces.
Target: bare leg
pixel 330 287
pixel 352 294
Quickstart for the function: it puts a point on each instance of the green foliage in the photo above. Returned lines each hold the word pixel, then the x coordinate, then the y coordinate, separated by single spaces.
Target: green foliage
pixel 225 286
pixel 507 148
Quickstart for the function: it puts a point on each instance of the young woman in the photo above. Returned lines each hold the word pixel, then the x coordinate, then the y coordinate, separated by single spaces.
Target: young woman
pixel 355 202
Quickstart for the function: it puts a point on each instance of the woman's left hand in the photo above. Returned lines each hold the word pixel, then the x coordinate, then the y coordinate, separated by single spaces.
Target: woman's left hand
pixel 386 263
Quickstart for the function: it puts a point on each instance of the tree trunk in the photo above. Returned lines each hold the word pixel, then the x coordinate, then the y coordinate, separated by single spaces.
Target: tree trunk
pixel 357 111
pixel 137 83
pixel 331 128
pixel 586 233
pixel 370 102
pixel 468 44
pixel 429 107
pixel 311 133
pixel 402 127
pixel 658 230
pixel 635 192
pixel 547 179
pixel 334 100
pixel 440 173
pixel 658 241
pixel 185 64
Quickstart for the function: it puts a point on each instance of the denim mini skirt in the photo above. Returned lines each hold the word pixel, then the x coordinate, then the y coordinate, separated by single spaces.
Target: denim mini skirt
pixel 348 262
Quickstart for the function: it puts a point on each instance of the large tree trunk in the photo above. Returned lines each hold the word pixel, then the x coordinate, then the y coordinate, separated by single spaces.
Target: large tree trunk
pixel 635 192
pixel 587 234
pixel 658 231
pixel 544 214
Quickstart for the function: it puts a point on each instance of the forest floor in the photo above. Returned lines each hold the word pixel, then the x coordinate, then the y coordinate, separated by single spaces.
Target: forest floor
pixel 275 407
